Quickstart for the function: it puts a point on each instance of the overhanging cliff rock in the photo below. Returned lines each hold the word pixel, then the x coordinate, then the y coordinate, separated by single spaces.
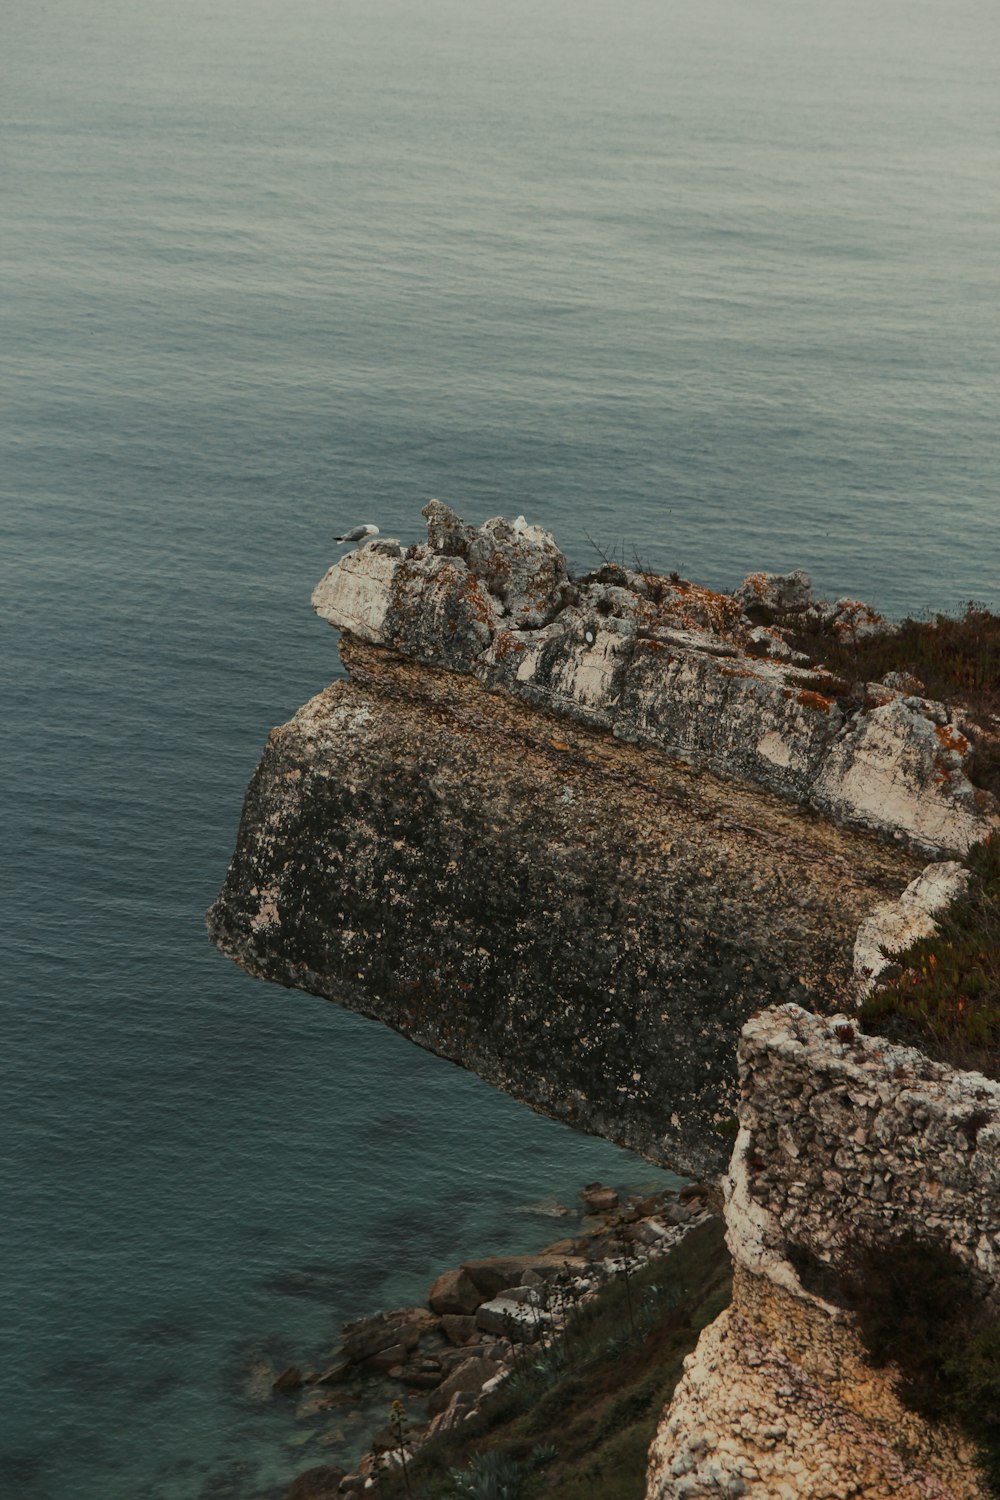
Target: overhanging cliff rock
pixel 572 833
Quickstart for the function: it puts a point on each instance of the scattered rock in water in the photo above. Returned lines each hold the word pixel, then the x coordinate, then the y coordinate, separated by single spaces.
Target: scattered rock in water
pixel 512 1300
pixel 312 1405
pixel 258 1379
pixel 548 1208
pixel 388 1359
pixel 367 1337
pixel 455 1293
pixel 423 1377
pixel 599 1199
pixel 290 1379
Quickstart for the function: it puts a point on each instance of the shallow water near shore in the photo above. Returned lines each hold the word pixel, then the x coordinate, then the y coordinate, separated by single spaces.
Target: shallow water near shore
pixel 716 285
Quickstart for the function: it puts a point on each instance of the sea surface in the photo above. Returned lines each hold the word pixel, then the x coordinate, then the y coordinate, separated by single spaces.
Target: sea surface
pixel 713 284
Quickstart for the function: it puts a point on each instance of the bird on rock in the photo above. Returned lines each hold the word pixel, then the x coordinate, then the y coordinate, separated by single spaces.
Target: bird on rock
pixel 357 534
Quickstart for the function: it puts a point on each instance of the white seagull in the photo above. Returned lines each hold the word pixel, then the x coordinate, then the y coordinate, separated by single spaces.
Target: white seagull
pixel 358 534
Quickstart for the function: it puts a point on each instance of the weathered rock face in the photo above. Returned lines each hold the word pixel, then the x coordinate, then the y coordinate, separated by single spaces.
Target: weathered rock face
pixel 840 1133
pixel 582 923
pixel 454 843
pixel 667 664
pixel 504 837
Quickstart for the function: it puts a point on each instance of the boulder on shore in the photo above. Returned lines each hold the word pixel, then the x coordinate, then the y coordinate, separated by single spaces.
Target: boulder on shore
pixel 455 1293
pixel 599 1199
pixel 471 1375
pixel 369 1336
pixel 460 1329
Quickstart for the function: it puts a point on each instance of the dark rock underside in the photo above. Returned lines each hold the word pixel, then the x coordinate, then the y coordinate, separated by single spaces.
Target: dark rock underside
pixel 584 924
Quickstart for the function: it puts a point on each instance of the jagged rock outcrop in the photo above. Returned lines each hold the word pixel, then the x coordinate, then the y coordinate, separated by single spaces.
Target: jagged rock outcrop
pixel 666 663
pixel 841 1135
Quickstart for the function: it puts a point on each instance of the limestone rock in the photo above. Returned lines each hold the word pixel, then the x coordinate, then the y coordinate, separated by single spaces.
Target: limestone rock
pixel 367 1337
pixel 470 1376
pixel 455 1292
pixel 430 607
pixel 664 663
pixel 600 1200
pixel 496 1273
pixel 897 772
pixel 522 568
pixel 584 923
pixel 460 1329
pixel 388 1358
pixel 447 533
pixel 779 592
pixel 779 1391
pixel 894 925
pixel 522 1322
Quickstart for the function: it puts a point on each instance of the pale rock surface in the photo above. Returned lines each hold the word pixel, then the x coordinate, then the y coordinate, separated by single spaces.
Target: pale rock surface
pixel 430 607
pixel 894 925
pixel 781 592
pixel 901 774
pixel 521 1321
pixel 666 663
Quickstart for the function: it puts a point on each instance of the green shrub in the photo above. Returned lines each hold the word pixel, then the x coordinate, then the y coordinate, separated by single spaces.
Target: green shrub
pixel 580 1423
pixel 946 999
pixel 956 658
pixel 919 1309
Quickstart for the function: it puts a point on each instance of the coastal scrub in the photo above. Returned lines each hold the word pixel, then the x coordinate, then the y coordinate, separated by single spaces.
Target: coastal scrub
pixel 577 1420
pixel 944 993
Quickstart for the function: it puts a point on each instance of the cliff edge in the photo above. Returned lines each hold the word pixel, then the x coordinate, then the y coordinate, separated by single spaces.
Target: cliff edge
pixel 577 834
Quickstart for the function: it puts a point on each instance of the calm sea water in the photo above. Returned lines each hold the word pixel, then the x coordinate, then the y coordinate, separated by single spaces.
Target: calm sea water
pixel 716 283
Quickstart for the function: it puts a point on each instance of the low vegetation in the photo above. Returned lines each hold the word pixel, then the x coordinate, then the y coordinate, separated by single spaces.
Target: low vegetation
pixel 956 660
pixel 919 1310
pixel 576 1420
pixel 944 992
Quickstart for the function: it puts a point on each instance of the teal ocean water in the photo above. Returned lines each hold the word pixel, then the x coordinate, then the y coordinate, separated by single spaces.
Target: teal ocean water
pixel 713 283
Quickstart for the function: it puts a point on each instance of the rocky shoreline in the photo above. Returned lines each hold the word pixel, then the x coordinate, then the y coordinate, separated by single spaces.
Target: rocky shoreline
pixel 436 1363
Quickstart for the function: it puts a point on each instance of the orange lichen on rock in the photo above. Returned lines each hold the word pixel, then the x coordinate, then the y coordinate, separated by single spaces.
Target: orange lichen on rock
pixel 817 701
pixel 702 606
pixel 477 601
pixel 505 643
pixel 757 582
pixel 951 739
